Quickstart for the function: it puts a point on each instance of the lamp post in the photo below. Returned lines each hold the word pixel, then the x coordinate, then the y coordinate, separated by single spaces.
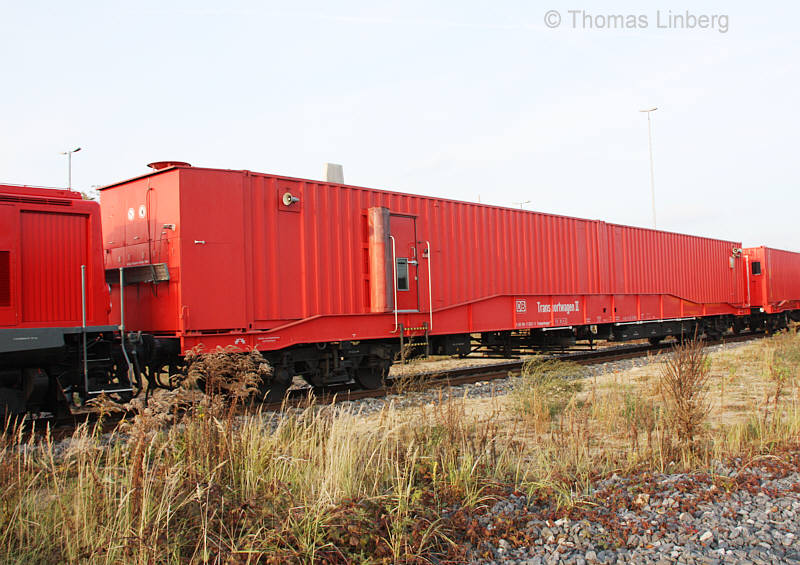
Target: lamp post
pixel 648 111
pixel 69 165
pixel 522 204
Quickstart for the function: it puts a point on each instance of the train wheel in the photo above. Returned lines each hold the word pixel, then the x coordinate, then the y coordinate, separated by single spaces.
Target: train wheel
pixel 278 387
pixel 370 378
pixel 373 372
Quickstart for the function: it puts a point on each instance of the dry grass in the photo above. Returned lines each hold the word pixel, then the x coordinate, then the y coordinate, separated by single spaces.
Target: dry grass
pixel 545 389
pixel 326 486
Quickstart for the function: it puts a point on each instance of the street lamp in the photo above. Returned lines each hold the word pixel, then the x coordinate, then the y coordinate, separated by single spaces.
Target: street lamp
pixel 69 160
pixel 652 175
pixel 522 204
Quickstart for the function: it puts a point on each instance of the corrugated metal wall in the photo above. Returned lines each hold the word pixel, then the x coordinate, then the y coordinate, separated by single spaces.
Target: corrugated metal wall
pixel 53 248
pixel 313 260
pixel 250 261
pixel 695 268
pixel 783 275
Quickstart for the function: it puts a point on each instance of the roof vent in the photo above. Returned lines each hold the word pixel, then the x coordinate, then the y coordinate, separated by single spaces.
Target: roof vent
pixel 333 173
pixel 159 165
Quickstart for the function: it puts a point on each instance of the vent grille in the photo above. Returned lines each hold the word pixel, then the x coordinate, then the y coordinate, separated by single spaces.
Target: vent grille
pixel 32 200
pixel 158 272
pixel 5 279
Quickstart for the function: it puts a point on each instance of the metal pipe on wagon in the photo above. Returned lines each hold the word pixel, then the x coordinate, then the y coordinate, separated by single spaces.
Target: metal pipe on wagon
pixel 121 301
pixel 394 277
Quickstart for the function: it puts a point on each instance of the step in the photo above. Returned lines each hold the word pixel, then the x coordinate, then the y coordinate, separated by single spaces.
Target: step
pixel 111 390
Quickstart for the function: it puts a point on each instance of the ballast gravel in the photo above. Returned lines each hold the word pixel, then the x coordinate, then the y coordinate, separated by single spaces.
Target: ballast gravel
pixel 736 515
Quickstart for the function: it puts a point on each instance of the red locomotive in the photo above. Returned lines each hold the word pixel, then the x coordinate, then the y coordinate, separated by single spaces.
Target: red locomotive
pixel 331 281
pixel 55 337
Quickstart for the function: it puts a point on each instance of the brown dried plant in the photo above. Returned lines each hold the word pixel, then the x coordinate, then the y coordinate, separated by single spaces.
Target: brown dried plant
pixel 226 371
pixel 684 388
pixel 216 382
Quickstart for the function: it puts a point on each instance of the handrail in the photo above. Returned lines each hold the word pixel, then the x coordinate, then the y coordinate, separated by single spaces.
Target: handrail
pixel 430 294
pixel 122 323
pixel 394 284
pixel 747 278
pixel 83 331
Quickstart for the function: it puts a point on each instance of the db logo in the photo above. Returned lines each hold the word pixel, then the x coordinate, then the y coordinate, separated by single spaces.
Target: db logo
pixel 239 341
pixel 522 306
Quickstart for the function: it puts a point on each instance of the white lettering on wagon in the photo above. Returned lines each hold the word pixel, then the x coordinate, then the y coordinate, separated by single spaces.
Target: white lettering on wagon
pixel 522 306
pixel 558 307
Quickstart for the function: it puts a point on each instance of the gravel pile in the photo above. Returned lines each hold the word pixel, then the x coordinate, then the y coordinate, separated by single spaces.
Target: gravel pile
pixel 750 516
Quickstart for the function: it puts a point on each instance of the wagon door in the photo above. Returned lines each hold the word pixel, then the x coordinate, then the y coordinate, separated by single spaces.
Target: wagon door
pixel 393 262
pixel 757 287
pixel 406 262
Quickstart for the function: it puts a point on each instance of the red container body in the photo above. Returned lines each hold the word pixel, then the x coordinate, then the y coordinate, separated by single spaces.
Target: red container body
pixel 774 279
pixel 45 237
pixel 269 261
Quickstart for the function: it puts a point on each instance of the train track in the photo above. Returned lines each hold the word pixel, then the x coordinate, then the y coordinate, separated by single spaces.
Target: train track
pixel 470 375
pixel 65 425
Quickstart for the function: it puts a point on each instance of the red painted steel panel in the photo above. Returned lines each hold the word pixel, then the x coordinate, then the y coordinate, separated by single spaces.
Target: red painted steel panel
pixel 212 252
pixel 5 279
pixel 277 261
pixel 694 268
pixel 777 287
pixel 51 266
pixel 132 238
pixel 783 278
pixel 46 236
pixel 9 241
pixel 756 279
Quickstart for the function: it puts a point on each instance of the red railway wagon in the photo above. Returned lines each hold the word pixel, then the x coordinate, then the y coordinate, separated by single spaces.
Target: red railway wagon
pixel 55 336
pixel 329 277
pixel 774 279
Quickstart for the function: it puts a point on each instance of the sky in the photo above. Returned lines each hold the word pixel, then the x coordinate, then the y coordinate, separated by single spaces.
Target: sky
pixel 501 102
